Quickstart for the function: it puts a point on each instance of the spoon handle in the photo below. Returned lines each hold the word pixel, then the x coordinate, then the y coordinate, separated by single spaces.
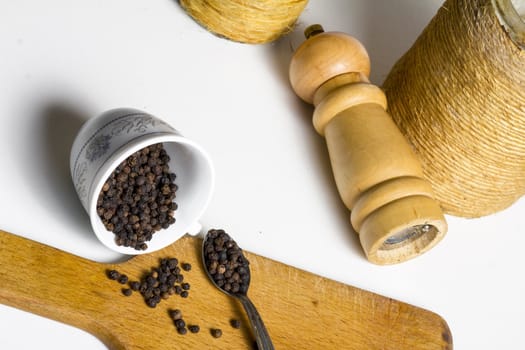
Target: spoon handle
pixel 261 334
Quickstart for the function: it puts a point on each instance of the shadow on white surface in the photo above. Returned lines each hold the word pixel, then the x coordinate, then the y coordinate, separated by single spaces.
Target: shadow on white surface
pixel 389 31
pixel 46 130
pixel 59 125
pixel 278 55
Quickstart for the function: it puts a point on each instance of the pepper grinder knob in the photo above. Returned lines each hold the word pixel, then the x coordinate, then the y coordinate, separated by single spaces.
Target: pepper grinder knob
pixel 378 176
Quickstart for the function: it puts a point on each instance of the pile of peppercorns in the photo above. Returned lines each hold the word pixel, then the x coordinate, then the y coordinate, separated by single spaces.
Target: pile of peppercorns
pixel 159 284
pixel 225 262
pixel 137 199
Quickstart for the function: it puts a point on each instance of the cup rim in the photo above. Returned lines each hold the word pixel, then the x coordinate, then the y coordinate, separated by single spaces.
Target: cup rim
pixel 107 238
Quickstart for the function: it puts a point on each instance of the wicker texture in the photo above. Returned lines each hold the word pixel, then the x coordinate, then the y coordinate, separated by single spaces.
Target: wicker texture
pixel 253 22
pixel 458 96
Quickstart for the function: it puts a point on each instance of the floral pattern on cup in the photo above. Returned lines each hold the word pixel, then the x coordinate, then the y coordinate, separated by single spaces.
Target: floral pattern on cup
pixel 98 147
pixel 101 144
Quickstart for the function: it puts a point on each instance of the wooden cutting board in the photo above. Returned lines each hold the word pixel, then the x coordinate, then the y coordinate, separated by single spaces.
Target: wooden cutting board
pixel 300 310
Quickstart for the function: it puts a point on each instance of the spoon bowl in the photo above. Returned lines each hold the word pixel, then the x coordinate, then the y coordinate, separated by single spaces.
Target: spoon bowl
pixel 229 270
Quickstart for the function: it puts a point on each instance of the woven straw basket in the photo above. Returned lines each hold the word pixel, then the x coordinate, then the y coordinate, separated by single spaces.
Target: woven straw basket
pixel 252 22
pixel 458 96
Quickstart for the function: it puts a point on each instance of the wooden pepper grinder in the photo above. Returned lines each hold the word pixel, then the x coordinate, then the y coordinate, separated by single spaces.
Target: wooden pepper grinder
pixel 376 172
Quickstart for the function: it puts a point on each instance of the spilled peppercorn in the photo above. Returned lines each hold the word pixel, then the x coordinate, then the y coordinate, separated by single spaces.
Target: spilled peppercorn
pixel 216 332
pixel 137 199
pixel 194 328
pixel 235 323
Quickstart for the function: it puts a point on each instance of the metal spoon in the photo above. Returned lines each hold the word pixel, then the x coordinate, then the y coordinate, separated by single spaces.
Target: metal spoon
pixel 222 244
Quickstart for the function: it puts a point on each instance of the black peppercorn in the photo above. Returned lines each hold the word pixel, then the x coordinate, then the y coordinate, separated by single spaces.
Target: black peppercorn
pixel 150 281
pixel 235 323
pixel 180 323
pixel 113 274
pixel 176 314
pixel 127 292
pixel 151 302
pixel 134 285
pixel 172 263
pixel 216 332
pixel 194 328
pixel 186 266
pixel 177 289
pixel 122 279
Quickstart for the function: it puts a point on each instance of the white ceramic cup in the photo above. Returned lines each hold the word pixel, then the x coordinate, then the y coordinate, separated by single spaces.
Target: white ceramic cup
pixel 105 141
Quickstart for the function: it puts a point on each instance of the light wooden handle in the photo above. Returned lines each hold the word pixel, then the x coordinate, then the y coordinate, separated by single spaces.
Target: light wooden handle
pixel 54 284
pixel 376 172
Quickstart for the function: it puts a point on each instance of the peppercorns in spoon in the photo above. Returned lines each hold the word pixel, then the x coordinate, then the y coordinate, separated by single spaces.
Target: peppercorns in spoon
pixel 229 270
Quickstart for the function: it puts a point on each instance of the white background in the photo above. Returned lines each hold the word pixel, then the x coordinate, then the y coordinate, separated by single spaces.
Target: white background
pixel 62 62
